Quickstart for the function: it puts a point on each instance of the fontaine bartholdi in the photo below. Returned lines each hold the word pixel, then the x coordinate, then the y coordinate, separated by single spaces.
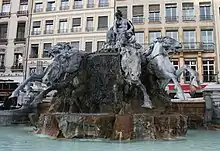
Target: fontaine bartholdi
pixel 115 93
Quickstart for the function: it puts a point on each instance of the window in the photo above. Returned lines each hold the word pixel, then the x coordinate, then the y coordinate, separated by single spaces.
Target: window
pixel 154 13
pixel 21 30
pixel 99 45
pixel 34 51
pixel 138 14
pixel 189 39
pixel 90 4
pixel 173 34
pixel 32 70
pixel 103 23
pixel 17 60
pixel 124 10
pixel 103 3
pixel 3 30
pixel 63 26
pixel 2 60
pixel 38 7
pixel 208 70
pixel 207 39
pixel 205 11
pixel 171 13
pixel 48 27
pixel 75 44
pixel 88 46
pixel 76 25
pixel 154 35
pixel 78 4
pixel 23 5
pixel 139 35
pixel 64 5
pixel 36 28
pixel 192 64
pixel 89 26
pixel 45 51
pixel 188 12
pixel 6 6
pixel 51 5
pixel 175 63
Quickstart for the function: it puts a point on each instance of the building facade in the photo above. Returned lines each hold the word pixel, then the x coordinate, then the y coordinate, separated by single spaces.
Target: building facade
pixel 191 22
pixel 83 23
pixel 13 19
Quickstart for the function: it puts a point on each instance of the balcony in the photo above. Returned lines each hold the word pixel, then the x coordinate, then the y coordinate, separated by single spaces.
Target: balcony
pixel 2 67
pixel 210 78
pixel 5 14
pixel 103 4
pixel 105 28
pixel 89 29
pixel 38 10
pixel 62 30
pixel 171 19
pixel 208 46
pixel 64 7
pixel 22 13
pixel 90 5
pixel 191 45
pixel 48 31
pixel 206 17
pixel 45 54
pixel 154 19
pixel 188 18
pixel 78 6
pixel 35 32
pixel 20 40
pixel 138 20
pixel 50 9
pixel 3 41
pixel 76 29
pixel 17 68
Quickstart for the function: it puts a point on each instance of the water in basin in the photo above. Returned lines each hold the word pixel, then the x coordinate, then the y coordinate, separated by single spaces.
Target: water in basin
pixel 18 139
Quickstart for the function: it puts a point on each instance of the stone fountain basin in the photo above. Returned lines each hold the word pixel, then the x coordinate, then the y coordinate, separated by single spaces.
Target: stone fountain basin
pixel 113 126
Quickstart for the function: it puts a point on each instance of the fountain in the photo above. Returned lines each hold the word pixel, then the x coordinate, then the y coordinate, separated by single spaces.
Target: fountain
pixel 116 93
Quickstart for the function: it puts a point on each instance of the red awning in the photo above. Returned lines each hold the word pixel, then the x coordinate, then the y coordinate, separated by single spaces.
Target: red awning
pixel 185 87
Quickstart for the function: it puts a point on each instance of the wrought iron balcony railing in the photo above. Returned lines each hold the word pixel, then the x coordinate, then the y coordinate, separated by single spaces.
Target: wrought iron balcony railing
pixel 89 29
pixel 48 31
pixel 64 7
pixel 104 28
pixel 103 4
pixel 171 18
pixel 17 68
pixel 3 41
pixel 208 46
pixel 90 5
pixel 77 6
pixel 76 29
pixel 206 17
pixel 154 19
pixel 50 9
pixel 33 56
pixel 138 20
pixel 20 40
pixel 35 32
pixel 190 45
pixel 188 18
pixel 45 55
pixel 22 13
pixel 38 10
pixel 62 30
pixel 5 14
pixel 210 78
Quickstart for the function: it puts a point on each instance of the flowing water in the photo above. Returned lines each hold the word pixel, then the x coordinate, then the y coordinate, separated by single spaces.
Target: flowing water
pixel 18 139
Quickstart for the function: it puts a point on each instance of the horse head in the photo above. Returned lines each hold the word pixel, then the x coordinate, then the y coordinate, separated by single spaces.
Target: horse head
pixel 168 43
pixel 131 64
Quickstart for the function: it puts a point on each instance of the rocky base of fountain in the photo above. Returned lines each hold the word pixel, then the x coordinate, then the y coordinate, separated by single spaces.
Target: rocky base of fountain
pixel 113 126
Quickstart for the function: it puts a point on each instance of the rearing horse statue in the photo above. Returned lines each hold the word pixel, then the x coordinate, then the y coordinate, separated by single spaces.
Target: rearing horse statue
pixel 165 69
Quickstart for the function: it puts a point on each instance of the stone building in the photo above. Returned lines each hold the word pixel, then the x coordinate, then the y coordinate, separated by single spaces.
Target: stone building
pixel 83 23
pixel 189 21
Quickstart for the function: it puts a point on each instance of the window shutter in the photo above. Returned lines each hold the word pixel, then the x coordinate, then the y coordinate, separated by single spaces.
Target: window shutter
pixel 138 11
pixel 49 22
pixel 6 1
pixel 187 6
pixel 24 2
pixel 88 46
pixel 154 8
pixel 171 5
pixel 76 22
pixel 63 20
pixel 103 22
pixel 123 10
pixel 205 4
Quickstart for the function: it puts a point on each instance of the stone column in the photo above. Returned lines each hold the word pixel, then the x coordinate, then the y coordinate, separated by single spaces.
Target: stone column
pixel 199 65
pixel 181 63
